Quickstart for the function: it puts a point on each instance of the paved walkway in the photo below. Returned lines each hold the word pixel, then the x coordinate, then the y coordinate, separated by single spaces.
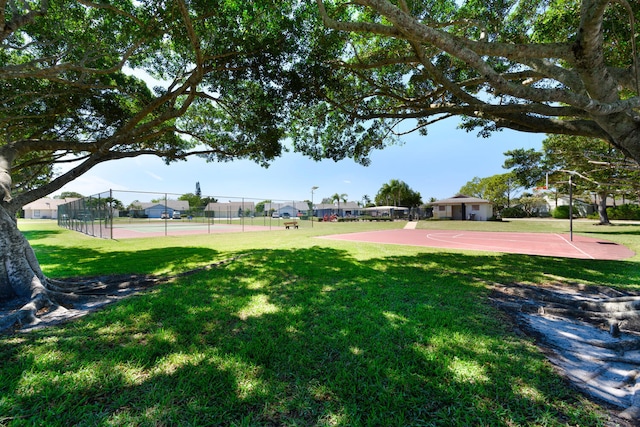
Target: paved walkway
pixel 411 225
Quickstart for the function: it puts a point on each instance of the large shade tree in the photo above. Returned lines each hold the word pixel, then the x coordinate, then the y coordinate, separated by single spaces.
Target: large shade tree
pixel 498 189
pixel 230 73
pixel 398 193
pixel 545 66
pixel 596 168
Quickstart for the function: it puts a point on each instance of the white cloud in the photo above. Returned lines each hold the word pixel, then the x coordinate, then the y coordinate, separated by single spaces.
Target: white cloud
pixel 154 176
pixel 89 185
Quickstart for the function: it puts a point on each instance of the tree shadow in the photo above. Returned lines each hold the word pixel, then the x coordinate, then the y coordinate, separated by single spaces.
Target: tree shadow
pixel 34 235
pixel 299 337
pixel 616 229
pixel 96 262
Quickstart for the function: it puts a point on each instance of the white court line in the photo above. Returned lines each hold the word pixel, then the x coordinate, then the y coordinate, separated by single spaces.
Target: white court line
pixel 574 246
pixel 446 238
pixel 481 245
pixel 482 239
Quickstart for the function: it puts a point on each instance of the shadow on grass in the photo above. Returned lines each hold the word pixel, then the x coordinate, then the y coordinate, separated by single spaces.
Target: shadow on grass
pixel 614 229
pixel 91 262
pixel 299 337
pixel 40 234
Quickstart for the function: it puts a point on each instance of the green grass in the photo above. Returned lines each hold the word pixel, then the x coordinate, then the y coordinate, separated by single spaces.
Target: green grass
pixel 298 331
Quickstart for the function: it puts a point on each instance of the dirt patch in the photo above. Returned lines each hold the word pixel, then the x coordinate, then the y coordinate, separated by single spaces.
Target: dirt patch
pixel 591 334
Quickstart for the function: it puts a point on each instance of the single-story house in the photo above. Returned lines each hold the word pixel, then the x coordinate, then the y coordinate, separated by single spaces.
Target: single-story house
pixel 156 209
pixel 462 207
pixel 229 209
pixel 291 209
pixel 44 208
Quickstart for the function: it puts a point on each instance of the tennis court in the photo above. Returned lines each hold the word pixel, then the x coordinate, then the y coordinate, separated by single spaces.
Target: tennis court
pixel 155 228
pixel 542 244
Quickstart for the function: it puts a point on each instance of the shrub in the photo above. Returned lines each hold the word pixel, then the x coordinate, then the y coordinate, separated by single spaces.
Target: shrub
pixel 375 218
pixel 513 212
pixel 626 211
pixel 348 219
pixel 561 212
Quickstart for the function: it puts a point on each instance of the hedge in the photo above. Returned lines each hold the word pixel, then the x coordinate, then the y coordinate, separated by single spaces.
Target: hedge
pixel 561 212
pixel 626 211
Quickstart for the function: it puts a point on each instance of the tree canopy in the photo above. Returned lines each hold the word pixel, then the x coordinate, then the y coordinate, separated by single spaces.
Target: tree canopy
pixel 498 189
pixel 597 166
pixel 336 76
pixel 567 67
pixel 398 193
pixel 72 90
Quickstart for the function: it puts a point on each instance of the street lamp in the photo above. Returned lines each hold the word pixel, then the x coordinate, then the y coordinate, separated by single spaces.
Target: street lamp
pixel 314 188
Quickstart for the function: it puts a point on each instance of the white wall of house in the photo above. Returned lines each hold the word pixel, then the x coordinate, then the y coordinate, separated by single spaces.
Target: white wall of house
pixel 480 212
pixel 473 211
pixel 44 208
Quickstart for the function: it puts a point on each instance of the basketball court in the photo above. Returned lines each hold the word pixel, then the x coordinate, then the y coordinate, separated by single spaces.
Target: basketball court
pixel 541 244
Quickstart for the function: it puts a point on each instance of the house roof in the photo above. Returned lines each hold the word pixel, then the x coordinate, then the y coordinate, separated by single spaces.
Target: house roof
pixel 301 206
pixel 460 199
pixel 48 203
pixel 384 208
pixel 229 205
pixel 343 205
pixel 179 205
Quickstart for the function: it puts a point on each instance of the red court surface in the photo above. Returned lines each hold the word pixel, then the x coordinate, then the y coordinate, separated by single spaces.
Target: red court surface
pixel 542 244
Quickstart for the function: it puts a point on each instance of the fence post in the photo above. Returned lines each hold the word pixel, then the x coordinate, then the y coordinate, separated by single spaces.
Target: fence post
pixel 111 215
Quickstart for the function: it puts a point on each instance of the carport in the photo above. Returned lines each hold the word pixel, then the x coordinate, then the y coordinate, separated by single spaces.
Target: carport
pixel 387 211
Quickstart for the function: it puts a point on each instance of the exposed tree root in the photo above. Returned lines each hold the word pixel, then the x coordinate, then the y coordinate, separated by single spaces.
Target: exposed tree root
pixel 64 300
pixel 590 333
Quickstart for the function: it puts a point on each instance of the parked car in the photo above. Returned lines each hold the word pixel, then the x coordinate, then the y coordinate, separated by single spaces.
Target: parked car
pixel 275 215
pixel 164 215
pixel 176 215
pixel 286 215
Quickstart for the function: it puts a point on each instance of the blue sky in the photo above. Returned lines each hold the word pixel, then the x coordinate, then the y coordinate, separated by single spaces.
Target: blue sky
pixel 436 165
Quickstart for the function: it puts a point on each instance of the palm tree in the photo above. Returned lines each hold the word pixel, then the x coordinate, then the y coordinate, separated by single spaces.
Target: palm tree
pixel 337 197
pixel 393 193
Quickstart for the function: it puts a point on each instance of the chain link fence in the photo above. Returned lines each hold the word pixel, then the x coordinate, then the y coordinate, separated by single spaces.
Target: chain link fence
pixel 91 215
pixel 122 214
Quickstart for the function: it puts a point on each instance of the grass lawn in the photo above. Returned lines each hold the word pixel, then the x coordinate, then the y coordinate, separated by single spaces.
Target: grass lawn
pixel 298 331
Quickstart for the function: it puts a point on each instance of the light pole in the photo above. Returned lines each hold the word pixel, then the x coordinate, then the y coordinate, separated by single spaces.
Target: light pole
pixel 314 188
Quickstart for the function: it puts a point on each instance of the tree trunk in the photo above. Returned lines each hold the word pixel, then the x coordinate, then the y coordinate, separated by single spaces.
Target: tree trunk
pixel 21 279
pixel 27 297
pixel 602 209
pixel 20 273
